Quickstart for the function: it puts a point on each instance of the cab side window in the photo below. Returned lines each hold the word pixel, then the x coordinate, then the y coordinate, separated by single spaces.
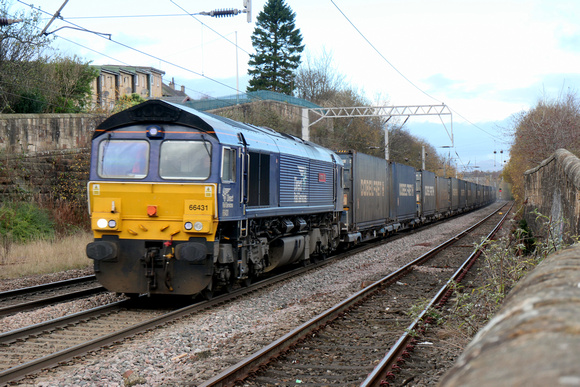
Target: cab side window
pixel 229 165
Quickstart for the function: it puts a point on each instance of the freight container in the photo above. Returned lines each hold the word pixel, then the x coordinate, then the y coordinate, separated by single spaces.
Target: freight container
pixel 426 198
pixel 471 194
pixel 462 194
pixel 454 194
pixel 403 204
pixel 443 195
pixel 366 193
pixel 479 199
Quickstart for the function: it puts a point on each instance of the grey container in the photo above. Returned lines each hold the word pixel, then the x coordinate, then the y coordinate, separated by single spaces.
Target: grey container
pixel 366 191
pixel 462 194
pixel 443 199
pixel 454 194
pixel 471 194
pixel 403 203
pixel 426 193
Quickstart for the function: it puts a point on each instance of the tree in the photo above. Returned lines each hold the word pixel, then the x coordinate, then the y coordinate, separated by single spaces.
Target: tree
pixel 33 77
pixel 278 45
pixel 317 80
pixel 22 51
pixel 407 149
pixel 127 101
pixel 550 125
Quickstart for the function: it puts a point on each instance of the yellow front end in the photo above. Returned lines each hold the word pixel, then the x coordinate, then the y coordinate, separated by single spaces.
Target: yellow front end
pixel 153 211
pixel 153 238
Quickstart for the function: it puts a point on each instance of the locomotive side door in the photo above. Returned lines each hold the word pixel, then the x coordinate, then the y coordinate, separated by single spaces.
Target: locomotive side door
pixel 230 194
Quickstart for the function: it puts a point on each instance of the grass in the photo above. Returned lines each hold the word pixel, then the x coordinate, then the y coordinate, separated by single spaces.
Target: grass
pixel 45 256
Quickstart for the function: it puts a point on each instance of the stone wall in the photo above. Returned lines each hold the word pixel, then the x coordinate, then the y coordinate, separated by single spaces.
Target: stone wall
pixel 33 133
pixel 552 189
pixel 534 339
pixel 45 176
pixel 44 156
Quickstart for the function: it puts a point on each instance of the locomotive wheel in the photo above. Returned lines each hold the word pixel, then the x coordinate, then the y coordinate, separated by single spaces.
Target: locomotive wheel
pixel 246 282
pixel 207 293
pixel 228 287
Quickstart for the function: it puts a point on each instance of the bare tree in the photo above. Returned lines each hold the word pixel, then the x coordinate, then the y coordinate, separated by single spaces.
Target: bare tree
pixel 538 133
pixel 317 80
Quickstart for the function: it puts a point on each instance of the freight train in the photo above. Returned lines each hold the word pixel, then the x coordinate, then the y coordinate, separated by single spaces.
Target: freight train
pixel 184 202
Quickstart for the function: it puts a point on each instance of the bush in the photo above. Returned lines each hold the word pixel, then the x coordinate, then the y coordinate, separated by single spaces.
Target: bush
pixel 24 222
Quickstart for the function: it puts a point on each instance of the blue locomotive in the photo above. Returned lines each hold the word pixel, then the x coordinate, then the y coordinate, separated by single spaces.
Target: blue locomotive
pixel 184 202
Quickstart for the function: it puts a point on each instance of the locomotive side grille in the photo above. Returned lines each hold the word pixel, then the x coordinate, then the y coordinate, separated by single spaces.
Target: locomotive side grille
pixel 294 180
pixel 321 183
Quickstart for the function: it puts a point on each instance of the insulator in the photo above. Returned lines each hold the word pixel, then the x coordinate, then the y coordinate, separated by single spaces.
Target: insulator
pixel 224 12
pixel 5 22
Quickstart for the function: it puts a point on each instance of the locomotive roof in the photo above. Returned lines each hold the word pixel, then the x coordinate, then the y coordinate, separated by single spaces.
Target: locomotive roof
pixel 224 129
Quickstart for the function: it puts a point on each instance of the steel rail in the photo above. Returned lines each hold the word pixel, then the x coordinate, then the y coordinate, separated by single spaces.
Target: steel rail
pixel 69 353
pixel 259 359
pixel 11 309
pixel 51 285
pixel 382 371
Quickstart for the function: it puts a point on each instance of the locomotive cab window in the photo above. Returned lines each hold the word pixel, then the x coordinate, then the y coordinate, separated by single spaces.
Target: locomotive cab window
pixel 123 159
pixel 185 160
pixel 229 165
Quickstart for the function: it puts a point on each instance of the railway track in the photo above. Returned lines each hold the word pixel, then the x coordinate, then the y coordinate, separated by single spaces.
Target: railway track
pixel 345 344
pixel 53 342
pixel 30 349
pixel 24 299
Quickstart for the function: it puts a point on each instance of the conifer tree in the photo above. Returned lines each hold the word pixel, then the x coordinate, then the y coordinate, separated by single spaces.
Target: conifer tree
pixel 278 45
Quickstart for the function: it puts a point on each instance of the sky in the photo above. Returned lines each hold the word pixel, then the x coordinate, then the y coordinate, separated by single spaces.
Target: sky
pixel 486 60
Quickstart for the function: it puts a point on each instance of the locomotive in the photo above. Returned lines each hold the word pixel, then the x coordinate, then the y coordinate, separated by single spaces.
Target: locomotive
pixel 184 202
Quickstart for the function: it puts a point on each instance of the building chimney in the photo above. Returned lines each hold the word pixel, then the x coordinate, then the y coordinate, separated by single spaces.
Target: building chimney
pixel 172 83
pixel 182 89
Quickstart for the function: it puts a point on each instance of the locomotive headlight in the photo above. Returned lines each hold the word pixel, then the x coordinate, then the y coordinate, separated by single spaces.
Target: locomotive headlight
pixel 198 226
pixel 102 223
pixel 154 131
pixel 112 223
pixel 188 226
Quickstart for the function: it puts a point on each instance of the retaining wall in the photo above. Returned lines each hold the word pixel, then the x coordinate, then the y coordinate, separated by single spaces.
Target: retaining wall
pixel 32 133
pixel 45 156
pixel 552 189
pixel 534 340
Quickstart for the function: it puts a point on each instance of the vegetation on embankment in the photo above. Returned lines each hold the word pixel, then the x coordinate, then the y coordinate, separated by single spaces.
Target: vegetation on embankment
pixel 38 239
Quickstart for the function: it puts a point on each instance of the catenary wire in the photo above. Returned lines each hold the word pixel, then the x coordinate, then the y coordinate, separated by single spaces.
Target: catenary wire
pixel 136 50
pixel 402 75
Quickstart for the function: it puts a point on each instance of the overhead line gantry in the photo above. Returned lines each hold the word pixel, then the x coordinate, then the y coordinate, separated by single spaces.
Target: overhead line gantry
pixel 376 111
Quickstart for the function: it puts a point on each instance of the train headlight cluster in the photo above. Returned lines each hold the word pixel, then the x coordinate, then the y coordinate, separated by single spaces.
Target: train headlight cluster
pixel 104 223
pixel 193 226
